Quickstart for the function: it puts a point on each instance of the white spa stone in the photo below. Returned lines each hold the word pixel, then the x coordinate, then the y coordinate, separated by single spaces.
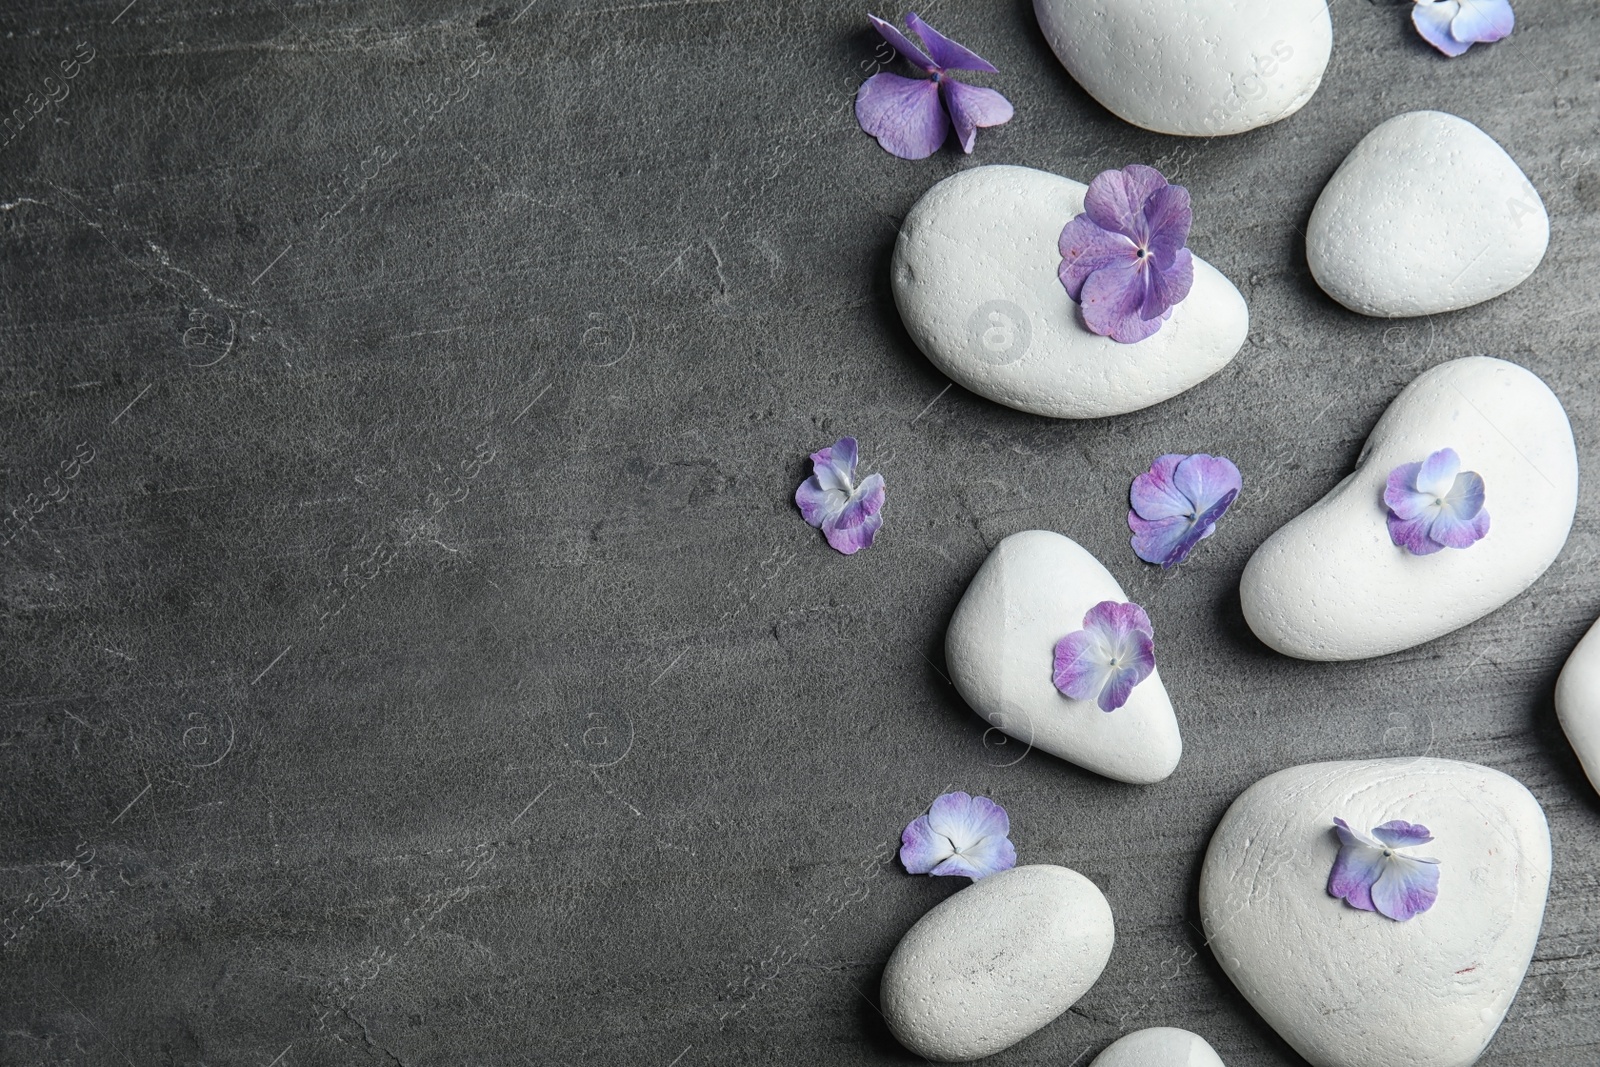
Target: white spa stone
pixel 1578 702
pixel 974 276
pixel 1426 214
pixel 1331 585
pixel 1033 590
pixel 1200 68
pixel 1350 988
pixel 1159 1046
pixel 996 961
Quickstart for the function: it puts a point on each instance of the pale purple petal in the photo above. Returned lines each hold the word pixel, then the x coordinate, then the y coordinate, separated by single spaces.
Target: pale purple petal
pixel 1158 541
pixel 1154 494
pixel 857 523
pixel 1452 531
pixel 922 848
pixel 1412 534
pixel 904 114
pixel 1086 248
pixel 948 815
pixel 1401 834
pixel 1355 870
pixel 1116 199
pixel 1080 666
pixel 902 44
pixel 1432 19
pixel 1168 286
pixel 1169 217
pixel 1188 534
pixel 1482 21
pixel 1400 493
pixel 1113 299
pixel 817 504
pixel 1465 497
pixel 1437 475
pixel 1139 666
pixel 1204 479
pixel 947 53
pixel 1350 836
pixel 834 467
pixel 1406 887
pixel 1117 620
pixel 970 107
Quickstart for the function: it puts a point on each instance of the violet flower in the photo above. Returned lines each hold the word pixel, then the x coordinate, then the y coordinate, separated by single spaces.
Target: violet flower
pixel 1372 875
pixel 1435 504
pixel 961 834
pixel 908 115
pixel 1114 652
pixel 1123 260
pixel 1453 26
pixel 1177 502
pixel 848 514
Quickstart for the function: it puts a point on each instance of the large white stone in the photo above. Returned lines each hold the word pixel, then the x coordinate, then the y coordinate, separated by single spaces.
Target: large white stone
pixel 1331 585
pixel 1350 988
pixel 974 276
pixel 1159 1046
pixel 996 961
pixel 1196 67
pixel 1578 702
pixel 1033 590
pixel 1426 214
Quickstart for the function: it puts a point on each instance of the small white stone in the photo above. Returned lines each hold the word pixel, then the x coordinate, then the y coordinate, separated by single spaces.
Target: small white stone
pixel 1033 590
pixel 1332 585
pixel 1578 702
pixel 1351 988
pixel 1159 1046
pixel 1426 214
pixel 1200 68
pixel 996 961
pixel 975 278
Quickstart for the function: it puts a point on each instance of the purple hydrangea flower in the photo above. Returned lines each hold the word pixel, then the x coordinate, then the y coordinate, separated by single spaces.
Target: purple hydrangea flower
pixel 961 834
pixel 848 514
pixel 908 115
pixel 1123 260
pixel 1114 652
pixel 1372 875
pixel 1453 26
pixel 1176 504
pixel 1435 504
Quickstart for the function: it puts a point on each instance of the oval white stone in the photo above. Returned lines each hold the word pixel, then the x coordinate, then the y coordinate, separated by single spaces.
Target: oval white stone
pixel 1033 590
pixel 1159 1046
pixel 1350 988
pixel 1426 214
pixel 1578 702
pixel 1199 68
pixel 1331 585
pixel 992 964
pixel 974 276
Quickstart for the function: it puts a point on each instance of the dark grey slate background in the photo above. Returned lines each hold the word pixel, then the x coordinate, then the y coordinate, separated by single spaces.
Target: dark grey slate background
pixel 429 666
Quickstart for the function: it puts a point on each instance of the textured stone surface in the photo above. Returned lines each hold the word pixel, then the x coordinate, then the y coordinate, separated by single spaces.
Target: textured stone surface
pixel 660 227
pixel 1159 1046
pixel 1578 702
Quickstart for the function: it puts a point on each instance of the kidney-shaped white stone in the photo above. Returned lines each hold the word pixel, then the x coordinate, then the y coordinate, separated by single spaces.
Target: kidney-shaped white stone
pixel 1578 702
pixel 974 276
pixel 1350 988
pixel 1331 585
pixel 1159 1046
pixel 1200 68
pixel 992 964
pixel 1033 590
pixel 1426 214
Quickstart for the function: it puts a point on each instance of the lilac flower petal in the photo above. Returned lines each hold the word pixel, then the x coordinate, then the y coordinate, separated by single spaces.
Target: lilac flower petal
pixel 1157 541
pixel 1113 298
pixel 1080 666
pixel 902 44
pixel 1482 21
pixel 857 523
pixel 949 815
pixel 1086 248
pixel 1120 684
pixel 1116 620
pixel 834 467
pixel 1405 888
pixel 972 106
pixel 1349 836
pixel 1437 474
pixel 1401 834
pixel 947 53
pixel 1154 494
pixel 1190 535
pixel 1465 497
pixel 1432 19
pixel 817 504
pixel 1169 217
pixel 904 114
pixel 1452 531
pixel 1116 199
pixel 1168 286
pixel 1412 534
pixel 1400 493
pixel 1205 479
pixel 922 848
pixel 1355 870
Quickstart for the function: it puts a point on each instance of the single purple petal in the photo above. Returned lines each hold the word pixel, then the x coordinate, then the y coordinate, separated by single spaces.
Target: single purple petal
pixel 1158 541
pixel 1080 666
pixel 1154 494
pixel 834 467
pixel 1437 474
pixel 857 523
pixel 1205 479
pixel 818 504
pixel 1400 494
pixel 1355 870
pixel 1116 199
pixel 1117 620
pixel 1192 534
pixel 1432 19
pixel 1401 834
pixel 1139 664
pixel 922 848
pixel 1169 217
pixel 902 44
pixel 970 107
pixel 1350 836
pixel 947 53
pixel 904 114
pixel 1166 287
pixel 1453 532
pixel 947 815
pixel 1465 497
pixel 1086 248
pixel 967 819
pixel 1406 887
pixel 1482 21
pixel 1112 300
pixel 1412 534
